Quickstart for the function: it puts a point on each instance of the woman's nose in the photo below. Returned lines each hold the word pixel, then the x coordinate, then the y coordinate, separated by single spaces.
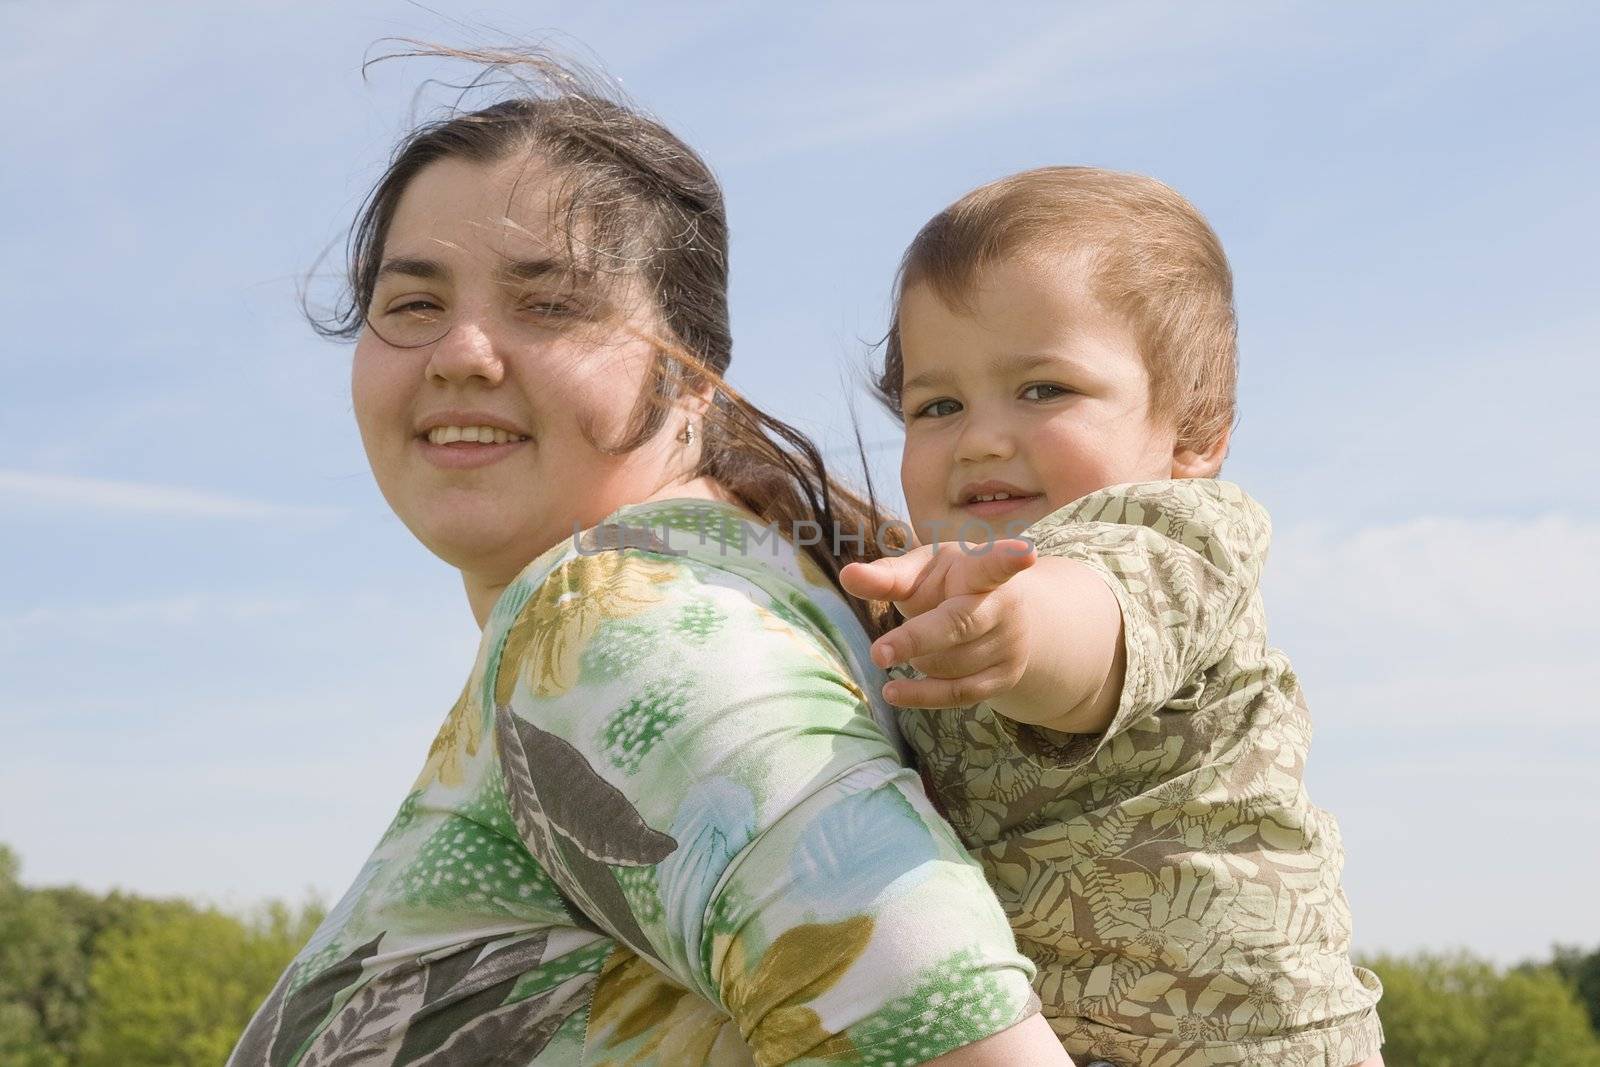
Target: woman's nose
pixel 467 350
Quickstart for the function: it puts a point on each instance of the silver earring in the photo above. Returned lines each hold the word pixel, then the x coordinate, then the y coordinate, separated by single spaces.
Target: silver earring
pixel 687 436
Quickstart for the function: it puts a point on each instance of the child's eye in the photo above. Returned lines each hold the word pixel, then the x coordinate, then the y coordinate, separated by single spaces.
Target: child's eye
pixel 1050 391
pixel 936 408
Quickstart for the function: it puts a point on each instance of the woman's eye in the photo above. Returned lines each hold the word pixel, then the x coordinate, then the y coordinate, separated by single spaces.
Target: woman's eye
pixel 550 309
pixel 418 306
pixel 1050 391
pixel 936 408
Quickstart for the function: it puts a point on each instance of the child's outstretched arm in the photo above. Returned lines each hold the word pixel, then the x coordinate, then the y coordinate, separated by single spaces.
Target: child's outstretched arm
pixel 1038 639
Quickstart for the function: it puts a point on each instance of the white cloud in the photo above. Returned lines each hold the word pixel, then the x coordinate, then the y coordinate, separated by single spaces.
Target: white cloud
pixel 1447 662
pixel 184 610
pixel 101 494
pixel 1092 56
pixel 1487 584
pixel 1441 622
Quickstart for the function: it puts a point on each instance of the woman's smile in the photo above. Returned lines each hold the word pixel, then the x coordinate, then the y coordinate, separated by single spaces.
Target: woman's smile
pixel 460 452
pixel 458 440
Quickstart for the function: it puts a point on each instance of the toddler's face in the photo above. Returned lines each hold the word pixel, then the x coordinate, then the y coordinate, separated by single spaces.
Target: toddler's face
pixel 1038 392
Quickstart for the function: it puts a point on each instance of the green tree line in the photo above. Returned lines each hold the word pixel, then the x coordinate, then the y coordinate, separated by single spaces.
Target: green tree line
pixel 126 981
pixel 97 981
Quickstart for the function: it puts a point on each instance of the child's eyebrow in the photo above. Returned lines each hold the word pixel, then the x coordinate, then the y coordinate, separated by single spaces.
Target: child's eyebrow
pixel 926 378
pixel 1003 365
pixel 997 366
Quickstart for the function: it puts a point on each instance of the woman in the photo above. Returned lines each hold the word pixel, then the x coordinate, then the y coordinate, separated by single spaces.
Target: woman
pixel 663 824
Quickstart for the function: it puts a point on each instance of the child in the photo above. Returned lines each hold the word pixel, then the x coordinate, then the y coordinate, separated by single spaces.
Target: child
pixel 1063 356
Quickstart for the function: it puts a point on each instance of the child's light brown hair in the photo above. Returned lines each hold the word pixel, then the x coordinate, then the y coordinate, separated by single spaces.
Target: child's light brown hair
pixel 1149 254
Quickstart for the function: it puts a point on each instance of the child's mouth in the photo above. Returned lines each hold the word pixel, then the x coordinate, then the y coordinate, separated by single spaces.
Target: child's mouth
pixel 998 507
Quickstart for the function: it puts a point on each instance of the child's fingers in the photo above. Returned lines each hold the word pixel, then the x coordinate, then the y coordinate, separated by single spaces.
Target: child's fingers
pixel 958 621
pixel 889 578
pixel 988 567
pixel 946 692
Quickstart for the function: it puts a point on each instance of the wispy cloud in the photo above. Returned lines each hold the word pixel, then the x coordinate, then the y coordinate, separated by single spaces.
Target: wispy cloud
pixel 1441 620
pixel 1446 661
pixel 184 610
pixel 100 494
pixel 1077 51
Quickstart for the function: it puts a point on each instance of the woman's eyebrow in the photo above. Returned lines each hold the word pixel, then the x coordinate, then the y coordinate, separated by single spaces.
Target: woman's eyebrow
pixel 532 270
pixel 432 270
pixel 411 268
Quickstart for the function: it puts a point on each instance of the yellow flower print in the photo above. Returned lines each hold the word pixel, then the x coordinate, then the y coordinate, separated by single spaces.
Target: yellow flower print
pixel 1266 1003
pixel 1216 840
pixel 457 741
pixel 1165 924
pixel 1004 780
pixel 548 638
pixel 680 1029
pixel 1190 1023
pixel 801 965
pixel 811 571
pixel 805 640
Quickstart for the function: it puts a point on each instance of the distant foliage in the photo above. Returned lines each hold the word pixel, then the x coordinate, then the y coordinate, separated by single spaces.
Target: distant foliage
pixel 1581 970
pixel 1455 1010
pixel 124 981
pixel 89 980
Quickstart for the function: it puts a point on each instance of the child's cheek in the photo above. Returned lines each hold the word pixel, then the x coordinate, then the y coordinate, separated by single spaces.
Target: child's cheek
pixel 922 479
pixel 1074 463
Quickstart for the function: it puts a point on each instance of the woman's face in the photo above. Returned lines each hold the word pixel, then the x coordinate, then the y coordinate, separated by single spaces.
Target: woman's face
pixel 475 438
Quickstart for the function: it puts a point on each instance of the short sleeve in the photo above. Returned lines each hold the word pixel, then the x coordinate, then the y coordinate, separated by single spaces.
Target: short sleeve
pixel 1183 558
pixel 703 779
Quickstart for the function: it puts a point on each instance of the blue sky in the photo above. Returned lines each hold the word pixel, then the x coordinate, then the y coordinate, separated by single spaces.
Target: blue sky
pixel 222 658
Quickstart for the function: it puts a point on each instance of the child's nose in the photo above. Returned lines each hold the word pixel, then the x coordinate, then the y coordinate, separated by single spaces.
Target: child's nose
pixel 983 439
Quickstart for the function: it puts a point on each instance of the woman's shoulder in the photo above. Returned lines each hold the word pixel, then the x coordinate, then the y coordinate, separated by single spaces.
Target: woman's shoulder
pixel 682 548
pixel 681 586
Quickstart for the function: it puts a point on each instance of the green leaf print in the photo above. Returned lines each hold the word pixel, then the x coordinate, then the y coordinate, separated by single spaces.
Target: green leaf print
pixel 463 986
pixel 303 1011
pixel 630 734
pixel 366 1021
pixel 512 1034
pixel 954 1004
pixel 580 805
pixel 698 620
pixel 575 823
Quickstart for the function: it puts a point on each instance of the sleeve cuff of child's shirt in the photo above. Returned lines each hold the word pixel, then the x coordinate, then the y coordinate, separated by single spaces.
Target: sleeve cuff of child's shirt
pixel 1058 749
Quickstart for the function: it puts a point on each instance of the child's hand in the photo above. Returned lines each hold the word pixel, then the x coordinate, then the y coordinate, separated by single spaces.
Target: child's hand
pixel 964 628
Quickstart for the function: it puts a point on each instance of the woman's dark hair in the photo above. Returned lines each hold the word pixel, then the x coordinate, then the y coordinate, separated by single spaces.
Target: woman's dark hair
pixel 638 203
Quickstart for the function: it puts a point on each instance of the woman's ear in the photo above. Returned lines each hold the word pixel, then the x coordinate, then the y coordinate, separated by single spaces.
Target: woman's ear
pixel 1191 463
pixel 699 401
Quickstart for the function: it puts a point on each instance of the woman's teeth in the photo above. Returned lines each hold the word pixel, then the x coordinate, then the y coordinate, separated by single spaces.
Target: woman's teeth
pixel 483 435
pixel 992 496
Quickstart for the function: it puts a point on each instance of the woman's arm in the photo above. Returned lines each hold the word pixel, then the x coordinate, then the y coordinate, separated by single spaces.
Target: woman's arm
pixel 1029 1042
pixel 703 779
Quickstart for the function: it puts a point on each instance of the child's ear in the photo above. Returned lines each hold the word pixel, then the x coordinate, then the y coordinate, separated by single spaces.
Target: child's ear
pixel 1190 463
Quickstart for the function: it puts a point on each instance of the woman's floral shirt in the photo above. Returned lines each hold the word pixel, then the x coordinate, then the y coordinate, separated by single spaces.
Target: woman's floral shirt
pixel 663 825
